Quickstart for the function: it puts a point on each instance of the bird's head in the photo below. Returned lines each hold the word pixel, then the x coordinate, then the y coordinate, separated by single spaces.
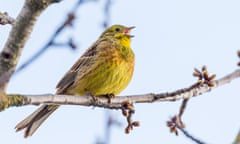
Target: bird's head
pixel 118 31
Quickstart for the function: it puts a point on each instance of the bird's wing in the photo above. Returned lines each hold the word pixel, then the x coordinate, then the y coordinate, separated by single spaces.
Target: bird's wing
pixel 84 64
pixel 70 77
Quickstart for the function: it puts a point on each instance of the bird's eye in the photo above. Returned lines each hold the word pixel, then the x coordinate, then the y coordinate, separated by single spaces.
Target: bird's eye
pixel 117 29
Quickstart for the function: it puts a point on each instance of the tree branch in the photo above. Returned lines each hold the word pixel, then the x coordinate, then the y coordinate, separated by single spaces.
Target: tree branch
pixel 71 16
pixel 116 102
pixel 237 139
pixel 6 19
pixel 17 38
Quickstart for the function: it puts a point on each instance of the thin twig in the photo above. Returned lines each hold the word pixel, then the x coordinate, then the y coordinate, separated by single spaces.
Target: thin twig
pixel 183 107
pixel 6 19
pixel 191 137
pixel 176 122
pixel 68 22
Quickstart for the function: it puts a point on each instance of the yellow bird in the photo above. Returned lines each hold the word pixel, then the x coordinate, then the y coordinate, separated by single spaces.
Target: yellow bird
pixel 104 69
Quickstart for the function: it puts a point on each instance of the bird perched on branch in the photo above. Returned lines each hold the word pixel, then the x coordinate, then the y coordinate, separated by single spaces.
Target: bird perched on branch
pixel 105 69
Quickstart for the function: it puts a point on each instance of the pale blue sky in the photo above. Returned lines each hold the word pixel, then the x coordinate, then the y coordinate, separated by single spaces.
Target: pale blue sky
pixel 171 38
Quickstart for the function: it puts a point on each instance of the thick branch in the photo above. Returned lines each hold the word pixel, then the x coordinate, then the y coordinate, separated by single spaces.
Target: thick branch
pixel 116 103
pixel 237 139
pixel 17 38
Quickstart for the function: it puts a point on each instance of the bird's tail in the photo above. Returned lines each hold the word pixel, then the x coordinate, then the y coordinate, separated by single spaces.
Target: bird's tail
pixel 34 120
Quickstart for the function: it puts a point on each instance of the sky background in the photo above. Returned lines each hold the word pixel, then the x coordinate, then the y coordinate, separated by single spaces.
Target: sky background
pixel 171 38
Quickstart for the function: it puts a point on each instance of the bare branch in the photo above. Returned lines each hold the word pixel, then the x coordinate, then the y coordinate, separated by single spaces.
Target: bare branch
pixel 52 41
pixel 198 141
pixel 67 22
pixel 116 102
pixel 6 19
pixel 176 122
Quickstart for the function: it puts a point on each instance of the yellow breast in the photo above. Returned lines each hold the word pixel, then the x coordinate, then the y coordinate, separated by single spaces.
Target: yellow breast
pixel 112 73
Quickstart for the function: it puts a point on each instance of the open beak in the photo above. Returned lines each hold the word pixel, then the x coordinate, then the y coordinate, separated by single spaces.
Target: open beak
pixel 127 31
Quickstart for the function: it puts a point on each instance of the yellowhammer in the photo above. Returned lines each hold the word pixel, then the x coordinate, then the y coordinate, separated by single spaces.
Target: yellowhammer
pixel 105 68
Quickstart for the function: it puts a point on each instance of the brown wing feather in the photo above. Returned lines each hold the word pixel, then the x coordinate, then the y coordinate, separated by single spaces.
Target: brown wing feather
pixel 70 77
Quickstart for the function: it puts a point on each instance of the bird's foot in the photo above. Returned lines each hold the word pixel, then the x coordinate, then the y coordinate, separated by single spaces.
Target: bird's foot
pixel 109 97
pixel 95 99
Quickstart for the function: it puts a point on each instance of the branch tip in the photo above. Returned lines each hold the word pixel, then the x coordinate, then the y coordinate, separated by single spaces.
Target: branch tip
pixel 70 18
pixel 128 111
pixel 204 77
pixel 174 124
pixel 6 19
